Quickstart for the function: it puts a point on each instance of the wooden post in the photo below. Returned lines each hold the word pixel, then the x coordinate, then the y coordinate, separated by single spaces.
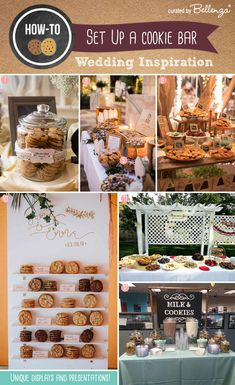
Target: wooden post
pixel 207 303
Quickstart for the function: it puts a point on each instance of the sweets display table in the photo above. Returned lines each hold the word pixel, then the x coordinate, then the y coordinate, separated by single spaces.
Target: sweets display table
pixel 11 180
pixel 178 368
pixel 181 274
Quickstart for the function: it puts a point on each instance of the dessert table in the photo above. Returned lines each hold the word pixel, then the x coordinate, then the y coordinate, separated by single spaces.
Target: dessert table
pixel 182 274
pixel 178 368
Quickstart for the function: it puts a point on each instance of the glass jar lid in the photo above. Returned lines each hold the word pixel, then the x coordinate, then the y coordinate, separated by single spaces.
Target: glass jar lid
pixel 42 118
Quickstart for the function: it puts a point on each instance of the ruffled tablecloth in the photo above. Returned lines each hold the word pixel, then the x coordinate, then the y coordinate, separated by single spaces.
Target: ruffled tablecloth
pixel 12 181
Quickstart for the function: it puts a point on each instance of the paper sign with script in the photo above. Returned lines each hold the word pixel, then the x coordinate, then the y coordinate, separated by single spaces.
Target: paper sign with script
pixel 146 123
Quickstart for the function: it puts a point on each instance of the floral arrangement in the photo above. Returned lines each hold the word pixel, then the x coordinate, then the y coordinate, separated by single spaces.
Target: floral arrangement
pixel 66 83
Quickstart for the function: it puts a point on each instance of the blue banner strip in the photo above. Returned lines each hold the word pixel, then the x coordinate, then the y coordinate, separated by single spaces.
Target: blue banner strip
pixel 106 377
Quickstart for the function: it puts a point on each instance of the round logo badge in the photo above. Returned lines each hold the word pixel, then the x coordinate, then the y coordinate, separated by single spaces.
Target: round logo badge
pixel 41 36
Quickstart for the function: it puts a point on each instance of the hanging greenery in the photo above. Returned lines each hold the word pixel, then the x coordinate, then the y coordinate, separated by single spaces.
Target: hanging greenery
pixel 34 200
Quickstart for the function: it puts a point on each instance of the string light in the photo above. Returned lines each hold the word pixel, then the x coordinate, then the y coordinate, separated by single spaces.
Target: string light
pixel 218 93
pixel 178 94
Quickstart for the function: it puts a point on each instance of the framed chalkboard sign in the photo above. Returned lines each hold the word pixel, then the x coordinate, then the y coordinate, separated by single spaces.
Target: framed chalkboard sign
pixel 163 126
pixel 23 105
pixel 178 305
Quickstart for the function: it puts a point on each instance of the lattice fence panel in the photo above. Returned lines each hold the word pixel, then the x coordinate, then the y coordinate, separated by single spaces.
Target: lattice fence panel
pixel 224 230
pixel 161 230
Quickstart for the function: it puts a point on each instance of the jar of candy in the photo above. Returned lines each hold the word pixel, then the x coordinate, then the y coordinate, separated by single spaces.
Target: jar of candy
pixel 137 337
pixel 130 348
pixel 225 346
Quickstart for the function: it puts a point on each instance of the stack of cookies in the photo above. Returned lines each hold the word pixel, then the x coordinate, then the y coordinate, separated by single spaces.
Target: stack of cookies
pixel 25 335
pixel 28 303
pixel 50 286
pixel 90 269
pixel 26 351
pixel 84 285
pixel 68 303
pixel 72 352
pixel 26 269
pixel 55 335
pixel 62 319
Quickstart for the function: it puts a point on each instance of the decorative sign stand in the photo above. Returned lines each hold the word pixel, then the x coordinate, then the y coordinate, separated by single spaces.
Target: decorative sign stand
pixel 78 237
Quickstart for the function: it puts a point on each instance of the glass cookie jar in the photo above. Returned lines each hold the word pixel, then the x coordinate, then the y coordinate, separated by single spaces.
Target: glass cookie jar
pixel 41 145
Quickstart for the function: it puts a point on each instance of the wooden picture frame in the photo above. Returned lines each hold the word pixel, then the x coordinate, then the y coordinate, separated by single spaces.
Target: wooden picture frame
pixel 163 125
pixel 24 105
pixel 116 142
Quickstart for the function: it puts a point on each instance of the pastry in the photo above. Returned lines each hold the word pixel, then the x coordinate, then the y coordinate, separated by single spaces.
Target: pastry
pixel 34 47
pixel 96 285
pixel 88 351
pixel 155 257
pixel 89 301
pixel 227 265
pixel 48 47
pixel 152 266
pixel 197 257
pixel 48 172
pixel 116 182
pixel 26 351
pixel 163 260
pixel 41 335
pixel 46 300
pixel 96 318
pixel 26 269
pixel 87 335
pixel 68 302
pixel 84 285
pixel 36 139
pixel 57 267
pixel 25 317
pixel 187 153
pixel 222 122
pixel 25 335
pixel 27 302
pixel 55 335
pixel 181 259
pixel 57 351
pixel 170 266
pixel 221 153
pixel 109 158
pixel 144 260
pixel 72 267
pixel 28 169
pixel 62 319
pixel 72 352
pixel 190 264
pixel 90 270
pixel 210 262
pixel 79 318
pixel 126 262
pixel 36 284
pixel 50 286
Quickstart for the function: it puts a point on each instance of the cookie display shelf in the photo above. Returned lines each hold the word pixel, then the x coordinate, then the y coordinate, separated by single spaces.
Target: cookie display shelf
pixel 37 244
pixel 100 332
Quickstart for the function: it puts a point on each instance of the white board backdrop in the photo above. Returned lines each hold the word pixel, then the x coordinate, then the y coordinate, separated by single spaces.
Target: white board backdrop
pixel 82 235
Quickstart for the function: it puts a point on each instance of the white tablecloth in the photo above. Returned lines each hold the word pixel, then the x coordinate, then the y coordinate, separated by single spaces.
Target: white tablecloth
pixel 11 180
pixel 95 173
pixel 183 274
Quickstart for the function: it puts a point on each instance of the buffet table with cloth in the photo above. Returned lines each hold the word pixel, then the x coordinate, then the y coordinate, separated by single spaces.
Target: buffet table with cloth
pixel 95 172
pixel 183 274
pixel 178 368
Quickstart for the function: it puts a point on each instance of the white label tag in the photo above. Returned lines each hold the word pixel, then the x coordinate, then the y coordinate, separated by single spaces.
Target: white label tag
pixel 67 287
pixel 43 321
pixel 71 338
pixel 40 155
pixel 41 269
pixel 40 354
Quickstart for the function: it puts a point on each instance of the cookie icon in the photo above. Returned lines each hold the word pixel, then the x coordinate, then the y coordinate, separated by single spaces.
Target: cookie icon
pixel 48 47
pixel 34 47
